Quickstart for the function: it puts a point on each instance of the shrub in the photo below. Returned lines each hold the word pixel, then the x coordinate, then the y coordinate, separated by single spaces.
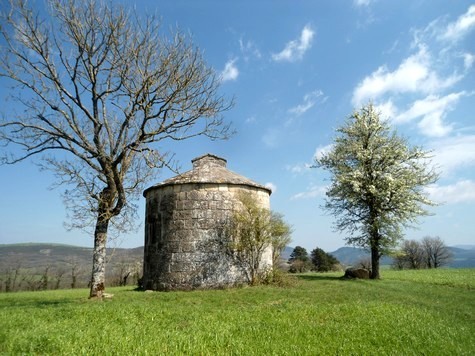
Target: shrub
pixel 299 266
pixel 323 261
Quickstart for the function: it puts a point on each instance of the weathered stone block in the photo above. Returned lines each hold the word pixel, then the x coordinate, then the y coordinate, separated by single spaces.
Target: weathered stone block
pixel 359 273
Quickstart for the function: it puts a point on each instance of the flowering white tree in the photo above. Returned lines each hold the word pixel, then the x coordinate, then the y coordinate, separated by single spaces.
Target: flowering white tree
pixel 377 183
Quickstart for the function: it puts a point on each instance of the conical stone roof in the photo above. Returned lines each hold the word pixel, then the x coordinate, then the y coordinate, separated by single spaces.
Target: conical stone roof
pixel 209 169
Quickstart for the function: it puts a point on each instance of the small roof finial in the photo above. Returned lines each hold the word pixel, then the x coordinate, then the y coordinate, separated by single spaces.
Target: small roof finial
pixel 208 159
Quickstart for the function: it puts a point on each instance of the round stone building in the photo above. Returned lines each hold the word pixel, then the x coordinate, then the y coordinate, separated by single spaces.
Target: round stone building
pixel 182 223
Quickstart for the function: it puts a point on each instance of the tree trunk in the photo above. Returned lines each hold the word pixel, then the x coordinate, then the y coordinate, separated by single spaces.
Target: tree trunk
pixel 98 277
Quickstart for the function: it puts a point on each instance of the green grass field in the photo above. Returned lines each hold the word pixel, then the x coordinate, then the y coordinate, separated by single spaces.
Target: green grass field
pixel 426 312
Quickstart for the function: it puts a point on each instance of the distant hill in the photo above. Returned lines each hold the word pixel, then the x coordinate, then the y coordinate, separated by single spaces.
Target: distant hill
pixel 287 252
pixel 463 258
pixel 33 255
pixel 352 255
pixel 465 247
pixel 24 266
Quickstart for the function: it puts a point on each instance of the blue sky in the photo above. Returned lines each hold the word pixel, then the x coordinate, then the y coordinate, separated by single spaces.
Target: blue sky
pixel 297 69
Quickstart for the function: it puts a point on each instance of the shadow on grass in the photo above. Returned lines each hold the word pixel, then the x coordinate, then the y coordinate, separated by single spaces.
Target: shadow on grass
pixel 320 277
pixel 34 303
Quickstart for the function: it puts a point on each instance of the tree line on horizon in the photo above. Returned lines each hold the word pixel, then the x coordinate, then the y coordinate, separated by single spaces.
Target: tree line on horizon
pixel 318 261
pixel 69 273
pixel 430 252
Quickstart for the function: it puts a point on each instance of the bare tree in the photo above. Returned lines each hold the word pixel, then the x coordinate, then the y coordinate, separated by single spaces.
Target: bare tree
pixel 431 252
pixel 59 273
pixel 44 280
pixel 12 275
pixel 75 269
pixel 97 88
pixel 7 279
pixel 413 254
pixel 436 253
pixel 399 262
pixel 126 268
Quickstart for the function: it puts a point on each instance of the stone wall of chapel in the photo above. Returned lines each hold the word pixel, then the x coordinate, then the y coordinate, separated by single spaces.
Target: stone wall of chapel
pixel 181 227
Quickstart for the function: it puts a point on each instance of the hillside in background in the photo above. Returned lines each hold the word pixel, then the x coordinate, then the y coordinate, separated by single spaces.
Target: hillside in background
pixel 39 255
pixel 51 266
pixel 350 256
pixel 287 252
pixel 463 257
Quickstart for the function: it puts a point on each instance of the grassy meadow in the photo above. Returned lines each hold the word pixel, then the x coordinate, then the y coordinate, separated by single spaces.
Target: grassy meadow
pixel 425 312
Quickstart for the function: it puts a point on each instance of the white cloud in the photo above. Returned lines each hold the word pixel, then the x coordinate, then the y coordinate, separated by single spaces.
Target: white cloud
pixel 314 192
pixel 362 2
pixel 461 192
pixel 309 100
pixel 421 80
pixel 413 75
pixel 299 168
pixel 432 125
pixel 454 153
pixel 439 32
pixel 230 71
pixel 271 186
pixel 249 50
pixel 321 150
pixel 405 78
pixel 431 104
pixel 387 110
pixel 294 50
pixel 468 60
pixel 431 111
pixel 459 28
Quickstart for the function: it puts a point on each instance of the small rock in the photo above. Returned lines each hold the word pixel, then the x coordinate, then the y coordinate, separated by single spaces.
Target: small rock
pixel 359 273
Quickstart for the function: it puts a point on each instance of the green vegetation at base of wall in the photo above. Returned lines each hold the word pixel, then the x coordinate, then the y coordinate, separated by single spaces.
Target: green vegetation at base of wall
pixel 429 312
